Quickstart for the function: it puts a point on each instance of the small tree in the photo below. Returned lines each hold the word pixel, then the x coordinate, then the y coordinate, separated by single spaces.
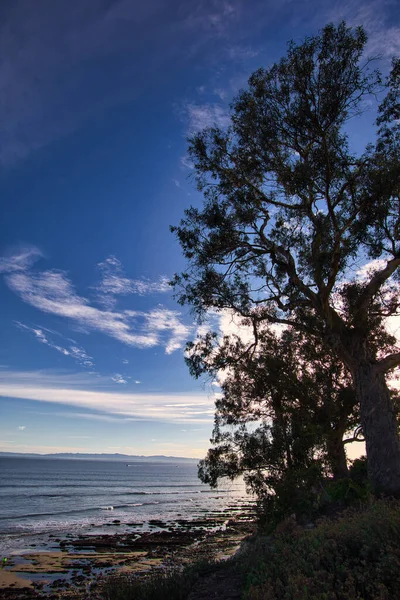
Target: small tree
pixel 293 393
pixel 291 213
pixel 281 419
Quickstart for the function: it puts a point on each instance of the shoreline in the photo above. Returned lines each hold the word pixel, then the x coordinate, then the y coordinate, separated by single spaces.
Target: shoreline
pixel 74 565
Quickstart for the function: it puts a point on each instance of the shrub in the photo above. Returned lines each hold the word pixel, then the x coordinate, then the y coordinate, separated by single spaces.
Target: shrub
pixel 354 557
pixel 359 470
pixel 295 493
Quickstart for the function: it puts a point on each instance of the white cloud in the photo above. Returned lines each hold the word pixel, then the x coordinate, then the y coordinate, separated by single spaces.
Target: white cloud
pixel 186 163
pixel 21 427
pixel 53 293
pixel 137 381
pixel 74 351
pixel 19 260
pixel 367 270
pixel 118 378
pixel 81 356
pixel 383 39
pixel 114 283
pixel 40 387
pixel 160 319
pixel 125 361
pixel 230 323
pixel 91 416
pixel 206 115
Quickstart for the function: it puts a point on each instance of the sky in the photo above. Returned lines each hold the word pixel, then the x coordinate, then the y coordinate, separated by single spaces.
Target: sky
pixel 97 100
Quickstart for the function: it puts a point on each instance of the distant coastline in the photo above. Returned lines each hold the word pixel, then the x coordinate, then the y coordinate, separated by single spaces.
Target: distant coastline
pixel 101 456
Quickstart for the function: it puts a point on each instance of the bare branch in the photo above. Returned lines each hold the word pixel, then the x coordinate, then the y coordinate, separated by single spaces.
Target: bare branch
pixel 389 362
pixel 375 283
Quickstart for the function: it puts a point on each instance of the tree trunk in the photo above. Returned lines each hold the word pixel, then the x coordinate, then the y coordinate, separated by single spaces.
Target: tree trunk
pixel 337 454
pixel 380 429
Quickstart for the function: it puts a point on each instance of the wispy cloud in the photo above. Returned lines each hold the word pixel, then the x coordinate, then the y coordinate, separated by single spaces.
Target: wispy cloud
pixel 200 116
pixel 53 293
pixel 118 378
pixel 114 283
pixel 55 54
pixel 21 427
pixel 19 260
pixel 241 53
pixel 185 407
pixel 74 351
pixel 162 320
pixel 214 16
pixel 373 15
pixel 365 272
pixel 186 163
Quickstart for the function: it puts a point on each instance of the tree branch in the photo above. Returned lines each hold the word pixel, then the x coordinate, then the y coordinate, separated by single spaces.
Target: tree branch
pixel 389 362
pixel 376 282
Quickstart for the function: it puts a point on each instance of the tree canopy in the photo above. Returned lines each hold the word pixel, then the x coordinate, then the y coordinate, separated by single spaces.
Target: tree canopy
pixel 291 213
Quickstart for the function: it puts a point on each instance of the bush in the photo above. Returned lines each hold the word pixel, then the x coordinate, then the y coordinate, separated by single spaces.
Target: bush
pixel 355 557
pixel 359 470
pixel 341 493
pixel 295 493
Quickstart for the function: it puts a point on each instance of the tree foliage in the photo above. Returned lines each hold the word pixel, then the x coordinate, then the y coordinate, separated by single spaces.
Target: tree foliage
pixel 291 213
pixel 281 419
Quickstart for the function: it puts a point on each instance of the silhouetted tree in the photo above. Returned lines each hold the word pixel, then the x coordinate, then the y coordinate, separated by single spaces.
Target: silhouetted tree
pixel 282 405
pixel 291 214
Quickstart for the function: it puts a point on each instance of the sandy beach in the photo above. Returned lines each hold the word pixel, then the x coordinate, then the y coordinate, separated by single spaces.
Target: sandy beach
pixel 80 565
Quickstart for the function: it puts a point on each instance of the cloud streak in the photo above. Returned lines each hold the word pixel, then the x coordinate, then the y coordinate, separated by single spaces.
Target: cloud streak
pixel 114 283
pixel 74 351
pixel 52 292
pixel 118 378
pixel 383 32
pixel 20 260
pixel 175 408
pixel 200 116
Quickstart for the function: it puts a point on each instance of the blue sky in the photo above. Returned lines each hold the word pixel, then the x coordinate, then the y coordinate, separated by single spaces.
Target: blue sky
pixel 97 98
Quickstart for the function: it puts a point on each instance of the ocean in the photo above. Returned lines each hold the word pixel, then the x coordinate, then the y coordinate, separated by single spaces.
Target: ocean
pixel 41 498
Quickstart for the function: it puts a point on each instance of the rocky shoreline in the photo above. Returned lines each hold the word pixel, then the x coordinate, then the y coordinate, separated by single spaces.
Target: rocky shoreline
pixel 78 567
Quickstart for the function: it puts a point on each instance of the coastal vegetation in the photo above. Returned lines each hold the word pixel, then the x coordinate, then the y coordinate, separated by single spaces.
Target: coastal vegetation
pixel 298 240
pixel 298 237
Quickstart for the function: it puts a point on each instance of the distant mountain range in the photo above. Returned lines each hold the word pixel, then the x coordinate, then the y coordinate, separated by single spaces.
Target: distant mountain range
pixel 119 457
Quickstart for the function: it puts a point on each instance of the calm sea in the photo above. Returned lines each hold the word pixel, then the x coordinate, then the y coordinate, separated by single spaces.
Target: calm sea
pixel 39 497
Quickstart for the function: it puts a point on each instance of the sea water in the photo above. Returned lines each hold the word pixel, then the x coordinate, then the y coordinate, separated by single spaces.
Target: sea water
pixel 43 496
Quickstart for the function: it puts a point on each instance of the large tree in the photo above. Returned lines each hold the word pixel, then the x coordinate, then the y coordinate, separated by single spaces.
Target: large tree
pixel 291 214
